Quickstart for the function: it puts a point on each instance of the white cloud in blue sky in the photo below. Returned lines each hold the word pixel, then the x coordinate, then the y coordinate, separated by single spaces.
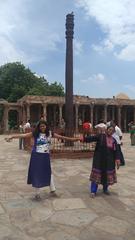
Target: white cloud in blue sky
pixel 33 32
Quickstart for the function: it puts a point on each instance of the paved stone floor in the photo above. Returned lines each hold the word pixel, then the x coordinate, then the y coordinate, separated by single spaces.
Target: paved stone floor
pixel 72 216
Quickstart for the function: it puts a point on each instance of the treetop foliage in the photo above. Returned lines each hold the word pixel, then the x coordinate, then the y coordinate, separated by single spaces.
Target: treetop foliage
pixel 17 81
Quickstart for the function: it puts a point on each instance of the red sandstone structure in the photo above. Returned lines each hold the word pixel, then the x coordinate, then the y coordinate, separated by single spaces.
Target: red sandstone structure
pixel 120 108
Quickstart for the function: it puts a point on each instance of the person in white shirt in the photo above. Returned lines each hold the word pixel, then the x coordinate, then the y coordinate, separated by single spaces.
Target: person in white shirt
pixel 27 125
pixel 118 137
pixel 101 127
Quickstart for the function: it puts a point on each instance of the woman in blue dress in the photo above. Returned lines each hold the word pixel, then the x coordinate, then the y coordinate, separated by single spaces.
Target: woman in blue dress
pixel 40 173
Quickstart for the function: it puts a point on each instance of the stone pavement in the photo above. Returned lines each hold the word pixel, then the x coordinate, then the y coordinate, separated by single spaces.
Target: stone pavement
pixel 72 216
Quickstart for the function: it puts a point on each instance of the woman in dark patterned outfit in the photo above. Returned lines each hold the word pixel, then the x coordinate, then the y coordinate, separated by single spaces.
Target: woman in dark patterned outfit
pixel 105 160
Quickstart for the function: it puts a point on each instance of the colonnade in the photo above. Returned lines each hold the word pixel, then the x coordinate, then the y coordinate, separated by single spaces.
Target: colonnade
pixel 55 112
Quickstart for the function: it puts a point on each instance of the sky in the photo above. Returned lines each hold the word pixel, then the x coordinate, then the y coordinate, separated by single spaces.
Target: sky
pixel 33 33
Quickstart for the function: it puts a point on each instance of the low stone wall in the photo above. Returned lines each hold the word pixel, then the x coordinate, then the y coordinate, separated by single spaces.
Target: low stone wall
pixel 56 154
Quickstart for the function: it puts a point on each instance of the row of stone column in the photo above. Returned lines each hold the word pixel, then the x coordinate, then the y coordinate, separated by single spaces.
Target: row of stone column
pixel 24 113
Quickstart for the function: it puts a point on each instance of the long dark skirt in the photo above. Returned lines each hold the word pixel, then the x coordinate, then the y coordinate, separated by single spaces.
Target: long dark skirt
pixel 103 169
pixel 39 173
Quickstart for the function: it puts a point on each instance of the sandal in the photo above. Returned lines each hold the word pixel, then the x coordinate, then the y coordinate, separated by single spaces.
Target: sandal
pixel 93 195
pixel 53 194
pixel 37 197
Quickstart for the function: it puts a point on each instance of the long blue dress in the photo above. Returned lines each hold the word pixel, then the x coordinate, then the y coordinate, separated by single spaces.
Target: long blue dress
pixel 39 173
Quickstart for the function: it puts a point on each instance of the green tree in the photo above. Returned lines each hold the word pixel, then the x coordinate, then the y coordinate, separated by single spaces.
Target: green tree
pixel 16 81
pixel 56 89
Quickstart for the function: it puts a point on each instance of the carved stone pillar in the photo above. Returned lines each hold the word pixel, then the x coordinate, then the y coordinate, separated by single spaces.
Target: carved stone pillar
pixel 76 117
pixel 83 114
pixel 113 112
pixel 5 118
pixel 125 120
pixel 119 116
pixel 105 113
pixel 69 75
pixel 20 113
pixel 28 111
pixel 91 115
pixel 96 115
pixel 54 115
pixel 24 117
pixel 45 111
pixel 60 112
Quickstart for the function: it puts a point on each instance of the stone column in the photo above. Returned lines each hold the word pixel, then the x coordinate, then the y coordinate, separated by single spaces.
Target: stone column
pixel 105 113
pixel 119 116
pixel 20 113
pixel 69 75
pixel 54 115
pixel 125 119
pixel 76 117
pixel 60 112
pixel 28 111
pixel 91 113
pixel 113 112
pixel 5 118
pixel 45 111
pixel 96 117
pixel 24 117
pixel 83 114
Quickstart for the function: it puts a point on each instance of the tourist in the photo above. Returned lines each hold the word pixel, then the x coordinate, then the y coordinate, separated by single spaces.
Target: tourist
pixel 101 126
pixel 27 141
pixel 132 133
pixel 62 125
pixel 118 137
pixel 80 123
pixel 39 173
pixel 87 128
pixel 105 159
pixel 27 125
pixel 21 130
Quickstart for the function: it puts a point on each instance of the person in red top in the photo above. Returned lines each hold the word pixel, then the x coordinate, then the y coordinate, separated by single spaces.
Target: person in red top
pixel 87 128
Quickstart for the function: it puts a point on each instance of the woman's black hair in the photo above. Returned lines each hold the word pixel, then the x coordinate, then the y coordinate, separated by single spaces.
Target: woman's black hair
pixel 110 126
pixel 37 131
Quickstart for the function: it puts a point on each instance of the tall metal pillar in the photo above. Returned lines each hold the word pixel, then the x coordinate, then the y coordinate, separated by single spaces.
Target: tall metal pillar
pixel 69 75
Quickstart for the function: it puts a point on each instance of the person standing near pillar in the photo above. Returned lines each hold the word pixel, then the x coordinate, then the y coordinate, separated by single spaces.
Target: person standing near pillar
pixel 21 130
pixel 101 126
pixel 27 129
pixel 131 126
pixel 40 173
pixel 105 160
pixel 118 136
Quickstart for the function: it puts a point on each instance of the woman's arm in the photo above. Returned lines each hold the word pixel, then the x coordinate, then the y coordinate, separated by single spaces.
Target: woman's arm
pixel 22 135
pixel 90 139
pixel 73 139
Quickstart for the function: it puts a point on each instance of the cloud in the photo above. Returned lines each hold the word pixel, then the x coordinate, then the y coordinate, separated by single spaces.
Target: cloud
pixel 117 20
pixel 128 53
pixel 130 87
pixel 26 32
pixel 78 47
pixel 10 15
pixel 97 79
